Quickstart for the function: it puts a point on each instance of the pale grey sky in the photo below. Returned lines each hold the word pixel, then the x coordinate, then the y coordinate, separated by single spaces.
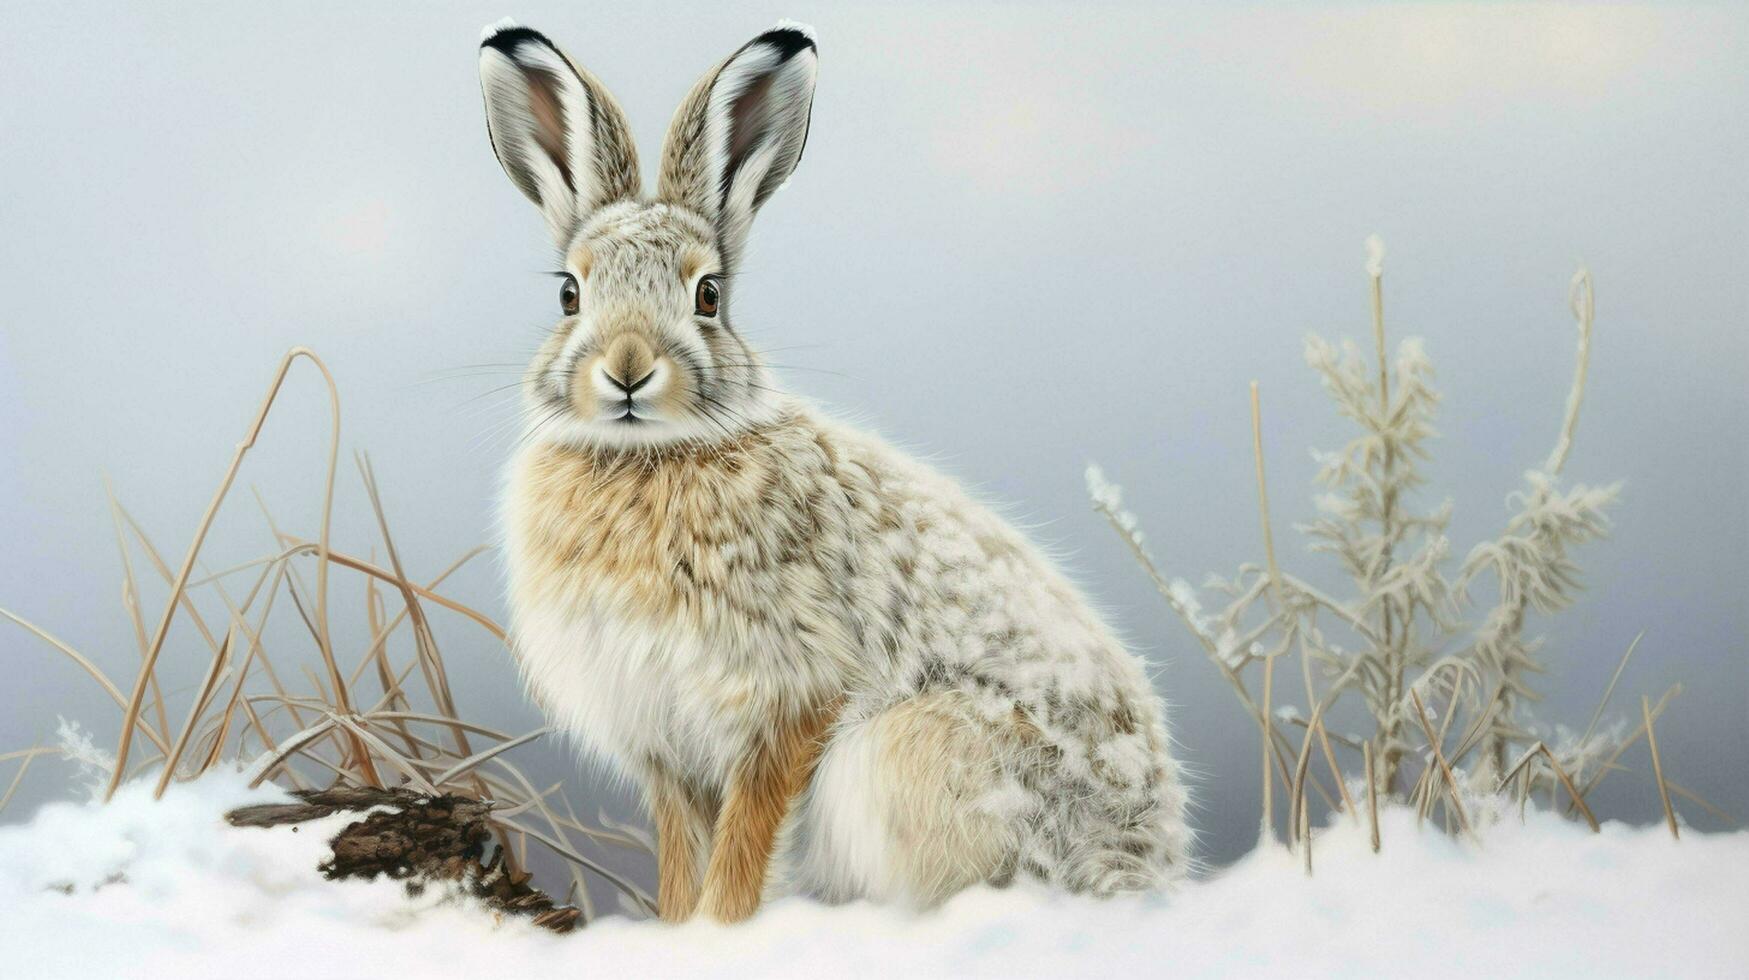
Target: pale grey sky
pixel 1024 237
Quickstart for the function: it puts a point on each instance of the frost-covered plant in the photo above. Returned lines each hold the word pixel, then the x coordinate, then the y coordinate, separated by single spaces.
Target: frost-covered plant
pixel 75 745
pixel 1531 562
pixel 1399 644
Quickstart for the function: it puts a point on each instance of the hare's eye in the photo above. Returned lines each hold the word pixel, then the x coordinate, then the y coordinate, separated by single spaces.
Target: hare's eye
pixel 708 296
pixel 568 295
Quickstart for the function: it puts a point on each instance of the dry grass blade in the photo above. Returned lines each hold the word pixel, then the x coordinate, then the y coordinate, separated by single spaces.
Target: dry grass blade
pixel 545 811
pixel 1626 743
pixel 1267 831
pixel 131 599
pixel 325 643
pixel 632 891
pixel 1336 773
pixel 473 761
pixel 1523 761
pixel 286 749
pixel 1451 704
pixel 636 837
pixel 359 565
pixel 28 755
pixel 194 712
pixel 1372 795
pixel 577 887
pixel 255 653
pixel 1658 767
pixel 96 675
pixel 1578 798
pixel 1478 726
pixel 519 809
pixel 435 720
pixel 1314 724
pixel 369 740
pixel 1263 498
pixel 1281 606
pixel 1602 703
pixel 1700 801
pixel 1444 767
pixel 1306 839
pixel 1284 750
pixel 380 635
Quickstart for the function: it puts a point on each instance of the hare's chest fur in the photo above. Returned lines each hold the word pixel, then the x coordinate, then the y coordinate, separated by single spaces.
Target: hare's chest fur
pixel 636 689
pixel 639 623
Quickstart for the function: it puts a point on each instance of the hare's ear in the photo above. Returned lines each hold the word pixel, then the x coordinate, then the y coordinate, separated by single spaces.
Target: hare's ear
pixel 740 133
pixel 560 136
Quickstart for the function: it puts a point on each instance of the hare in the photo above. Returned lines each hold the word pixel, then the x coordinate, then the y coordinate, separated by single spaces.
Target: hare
pixel 827 667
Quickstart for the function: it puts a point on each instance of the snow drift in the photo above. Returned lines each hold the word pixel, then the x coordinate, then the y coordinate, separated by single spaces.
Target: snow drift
pixel 143 888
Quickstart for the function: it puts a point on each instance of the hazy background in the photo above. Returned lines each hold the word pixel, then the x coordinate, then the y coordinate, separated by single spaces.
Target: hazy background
pixel 1024 237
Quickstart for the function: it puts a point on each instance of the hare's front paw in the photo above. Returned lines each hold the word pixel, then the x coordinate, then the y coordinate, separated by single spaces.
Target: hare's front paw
pixel 727 903
pixel 676 904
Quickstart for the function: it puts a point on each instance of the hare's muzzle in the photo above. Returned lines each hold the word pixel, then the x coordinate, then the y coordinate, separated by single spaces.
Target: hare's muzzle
pixel 622 383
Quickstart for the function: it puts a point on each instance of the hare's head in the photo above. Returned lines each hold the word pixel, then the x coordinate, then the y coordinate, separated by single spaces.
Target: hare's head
pixel 646 353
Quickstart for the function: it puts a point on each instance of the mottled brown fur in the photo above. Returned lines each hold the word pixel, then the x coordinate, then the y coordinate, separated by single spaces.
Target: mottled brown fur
pixel 650 521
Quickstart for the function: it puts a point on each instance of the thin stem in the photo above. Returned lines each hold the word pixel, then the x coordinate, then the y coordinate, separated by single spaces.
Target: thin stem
pixel 1267 830
pixel 1372 794
pixel 1306 837
pixel 201 700
pixel 1658 767
pixel 1263 499
pixel 1275 587
pixel 131 599
pixel 1444 767
pixel 1591 726
pixel 1572 791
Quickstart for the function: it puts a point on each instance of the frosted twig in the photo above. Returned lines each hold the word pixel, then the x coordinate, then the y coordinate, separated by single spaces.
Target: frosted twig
pixel 1584 306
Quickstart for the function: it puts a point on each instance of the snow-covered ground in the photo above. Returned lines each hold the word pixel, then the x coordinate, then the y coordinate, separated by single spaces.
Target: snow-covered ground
pixel 139 888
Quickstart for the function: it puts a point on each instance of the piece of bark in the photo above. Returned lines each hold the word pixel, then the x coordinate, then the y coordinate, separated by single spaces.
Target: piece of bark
pixel 418 839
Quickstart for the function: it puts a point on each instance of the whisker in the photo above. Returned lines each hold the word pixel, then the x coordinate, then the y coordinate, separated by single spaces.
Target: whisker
pixel 780 367
pixel 489 393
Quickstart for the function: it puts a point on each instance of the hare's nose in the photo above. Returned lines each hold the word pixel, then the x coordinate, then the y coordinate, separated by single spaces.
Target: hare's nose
pixel 630 388
pixel 628 362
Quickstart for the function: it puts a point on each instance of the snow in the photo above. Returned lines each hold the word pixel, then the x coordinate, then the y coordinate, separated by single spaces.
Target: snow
pixel 144 888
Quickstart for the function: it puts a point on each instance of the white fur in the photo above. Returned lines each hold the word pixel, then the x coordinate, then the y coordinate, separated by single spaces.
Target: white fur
pixel 630 689
pixel 851 849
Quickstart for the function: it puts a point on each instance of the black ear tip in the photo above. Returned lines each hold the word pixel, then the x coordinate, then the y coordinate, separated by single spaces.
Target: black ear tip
pixel 506 35
pixel 789 38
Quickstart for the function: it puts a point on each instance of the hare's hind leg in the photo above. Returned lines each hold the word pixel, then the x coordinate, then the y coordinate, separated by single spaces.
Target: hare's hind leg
pixel 902 806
